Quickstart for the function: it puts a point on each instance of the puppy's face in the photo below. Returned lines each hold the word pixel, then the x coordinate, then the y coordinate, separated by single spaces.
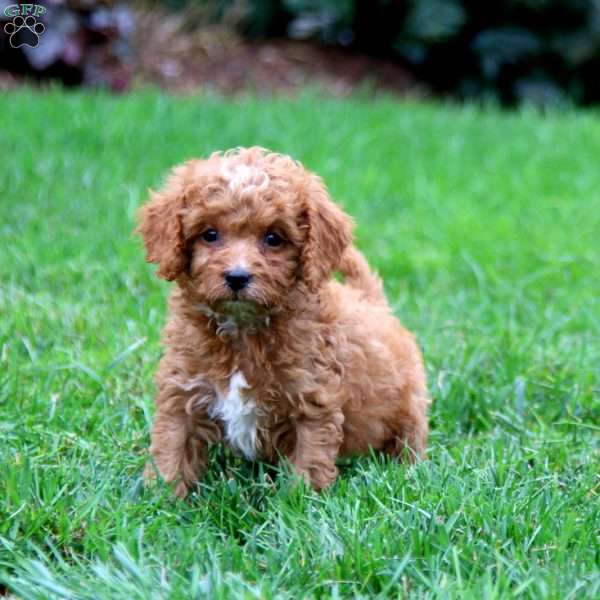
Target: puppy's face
pixel 244 239
pixel 243 230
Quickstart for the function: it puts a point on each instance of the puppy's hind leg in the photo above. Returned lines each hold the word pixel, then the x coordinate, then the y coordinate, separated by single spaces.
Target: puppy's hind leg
pixel 409 439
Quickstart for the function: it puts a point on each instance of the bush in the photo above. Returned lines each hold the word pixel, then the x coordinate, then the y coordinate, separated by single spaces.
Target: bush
pixel 543 51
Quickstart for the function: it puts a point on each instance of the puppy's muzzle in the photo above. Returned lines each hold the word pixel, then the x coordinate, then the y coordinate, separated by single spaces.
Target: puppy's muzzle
pixel 237 279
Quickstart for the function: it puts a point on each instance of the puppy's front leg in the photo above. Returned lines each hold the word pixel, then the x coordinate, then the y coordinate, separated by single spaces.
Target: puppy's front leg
pixel 318 440
pixel 180 438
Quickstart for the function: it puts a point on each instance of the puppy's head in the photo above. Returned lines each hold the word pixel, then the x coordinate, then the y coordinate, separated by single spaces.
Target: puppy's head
pixel 243 229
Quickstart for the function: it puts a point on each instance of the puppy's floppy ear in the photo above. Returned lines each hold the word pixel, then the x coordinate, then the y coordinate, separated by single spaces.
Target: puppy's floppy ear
pixel 161 227
pixel 329 233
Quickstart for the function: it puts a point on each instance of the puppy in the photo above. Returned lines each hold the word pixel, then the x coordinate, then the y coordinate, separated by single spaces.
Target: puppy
pixel 263 349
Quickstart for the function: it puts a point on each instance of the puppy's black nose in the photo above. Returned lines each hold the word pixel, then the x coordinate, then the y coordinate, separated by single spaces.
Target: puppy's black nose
pixel 237 279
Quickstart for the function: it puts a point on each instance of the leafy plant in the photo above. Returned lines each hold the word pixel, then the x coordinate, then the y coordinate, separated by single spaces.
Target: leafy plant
pixel 542 51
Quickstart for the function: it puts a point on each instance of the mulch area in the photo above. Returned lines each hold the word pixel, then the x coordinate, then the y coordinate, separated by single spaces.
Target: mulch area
pixel 277 66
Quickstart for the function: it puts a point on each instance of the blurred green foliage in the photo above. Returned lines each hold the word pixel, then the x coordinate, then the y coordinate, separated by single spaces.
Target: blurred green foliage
pixel 540 51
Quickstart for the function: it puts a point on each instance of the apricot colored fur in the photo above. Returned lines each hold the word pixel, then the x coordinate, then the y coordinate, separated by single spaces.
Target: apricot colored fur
pixel 325 368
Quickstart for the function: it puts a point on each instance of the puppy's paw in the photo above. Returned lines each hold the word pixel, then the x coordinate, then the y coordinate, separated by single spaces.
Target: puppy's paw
pixel 318 477
pixel 151 480
pixel 181 490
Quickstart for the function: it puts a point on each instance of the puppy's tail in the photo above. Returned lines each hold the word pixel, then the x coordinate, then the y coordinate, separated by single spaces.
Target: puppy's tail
pixel 357 274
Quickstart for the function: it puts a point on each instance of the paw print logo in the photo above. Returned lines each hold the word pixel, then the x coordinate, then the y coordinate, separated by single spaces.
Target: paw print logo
pixel 24 31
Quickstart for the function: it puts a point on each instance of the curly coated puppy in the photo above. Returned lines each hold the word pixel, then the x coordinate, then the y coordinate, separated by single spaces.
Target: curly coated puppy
pixel 264 350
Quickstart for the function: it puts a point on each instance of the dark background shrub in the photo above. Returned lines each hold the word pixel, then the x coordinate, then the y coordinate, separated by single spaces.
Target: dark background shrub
pixel 542 51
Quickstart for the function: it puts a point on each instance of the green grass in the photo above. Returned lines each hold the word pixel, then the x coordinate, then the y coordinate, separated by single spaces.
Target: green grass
pixel 485 226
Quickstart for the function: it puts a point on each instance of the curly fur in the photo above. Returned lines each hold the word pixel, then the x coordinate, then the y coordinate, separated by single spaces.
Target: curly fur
pixel 296 364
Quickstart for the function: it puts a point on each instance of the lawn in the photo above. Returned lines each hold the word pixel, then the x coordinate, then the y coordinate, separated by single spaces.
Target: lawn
pixel 485 226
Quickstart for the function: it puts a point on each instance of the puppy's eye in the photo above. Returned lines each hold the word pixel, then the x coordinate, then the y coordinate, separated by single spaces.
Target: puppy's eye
pixel 273 239
pixel 210 235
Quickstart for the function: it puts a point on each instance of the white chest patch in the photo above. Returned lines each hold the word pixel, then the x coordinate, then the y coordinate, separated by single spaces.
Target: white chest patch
pixel 239 415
